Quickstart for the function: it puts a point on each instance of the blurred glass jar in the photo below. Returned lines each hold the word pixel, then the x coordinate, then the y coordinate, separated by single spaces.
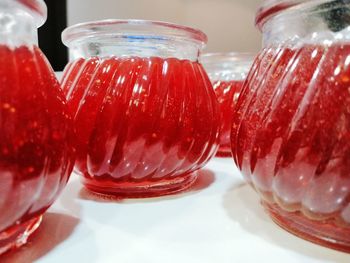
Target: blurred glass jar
pixel 36 157
pixel 227 72
pixel 291 129
pixel 145 112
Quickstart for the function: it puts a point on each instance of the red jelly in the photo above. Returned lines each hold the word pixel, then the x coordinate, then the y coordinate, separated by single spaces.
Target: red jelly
pixel 36 157
pixel 227 93
pixel 145 124
pixel 227 71
pixel 291 128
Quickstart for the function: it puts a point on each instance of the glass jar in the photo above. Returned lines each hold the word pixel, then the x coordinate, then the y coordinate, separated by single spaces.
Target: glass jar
pixel 146 114
pixel 36 156
pixel 291 127
pixel 227 72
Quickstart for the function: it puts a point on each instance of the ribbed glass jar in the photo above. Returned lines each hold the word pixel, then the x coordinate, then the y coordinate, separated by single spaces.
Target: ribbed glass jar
pixel 146 114
pixel 227 72
pixel 36 154
pixel 290 134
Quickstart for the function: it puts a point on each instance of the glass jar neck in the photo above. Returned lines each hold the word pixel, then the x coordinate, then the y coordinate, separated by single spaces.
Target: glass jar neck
pixel 139 46
pixel 314 22
pixel 228 71
pixel 17 26
pixel 127 38
pixel 227 66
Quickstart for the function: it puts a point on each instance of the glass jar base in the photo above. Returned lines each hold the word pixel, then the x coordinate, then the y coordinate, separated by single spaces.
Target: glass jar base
pixel 18 235
pixel 224 151
pixel 323 233
pixel 119 190
pixel 223 154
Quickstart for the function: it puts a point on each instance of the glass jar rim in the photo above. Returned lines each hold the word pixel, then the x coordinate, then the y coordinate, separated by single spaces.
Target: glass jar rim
pixel 132 28
pixel 220 57
pixel 271 8
pixel 37 9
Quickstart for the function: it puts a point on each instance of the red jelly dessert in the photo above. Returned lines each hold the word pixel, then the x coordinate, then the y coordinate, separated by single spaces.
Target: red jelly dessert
pixel 227 71
pixel 144 124
pixel 227 93
pixel 291 131
pixel 35 155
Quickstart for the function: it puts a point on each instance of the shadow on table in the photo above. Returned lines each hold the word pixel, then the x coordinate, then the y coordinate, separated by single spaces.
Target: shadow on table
pixel 243 206
pixel 205 179
pixel 54 229
pixel 68 198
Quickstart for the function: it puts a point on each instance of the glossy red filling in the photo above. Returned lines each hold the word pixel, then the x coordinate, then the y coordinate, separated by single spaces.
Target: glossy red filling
pixel 291 133
pixel 227 93
pixel 140 122
pixel 36 156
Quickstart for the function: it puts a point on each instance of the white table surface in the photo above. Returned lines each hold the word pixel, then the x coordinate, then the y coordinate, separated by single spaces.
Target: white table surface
pixel 219 220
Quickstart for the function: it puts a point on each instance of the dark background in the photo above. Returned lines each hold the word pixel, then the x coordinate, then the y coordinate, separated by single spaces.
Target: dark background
pixel 50 34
